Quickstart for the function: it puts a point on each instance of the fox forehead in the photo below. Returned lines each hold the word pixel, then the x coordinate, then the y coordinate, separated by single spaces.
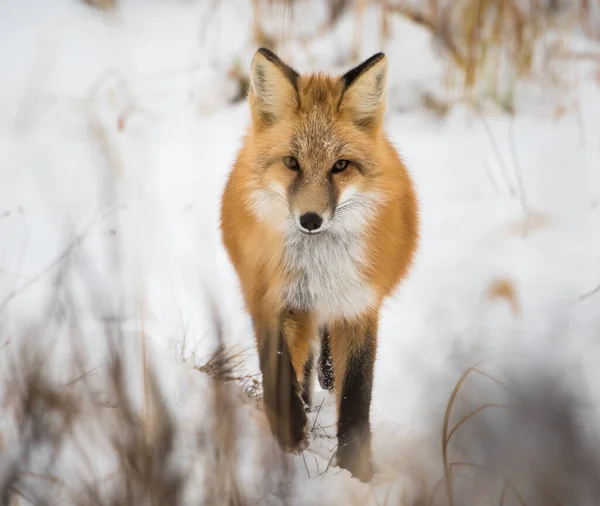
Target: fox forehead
pixel 316 138
pixel 318 90
pixel 317 126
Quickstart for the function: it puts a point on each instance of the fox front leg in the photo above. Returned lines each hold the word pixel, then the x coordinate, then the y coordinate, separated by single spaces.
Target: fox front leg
pixel 353 348
pixel 307 381
pixel 283 404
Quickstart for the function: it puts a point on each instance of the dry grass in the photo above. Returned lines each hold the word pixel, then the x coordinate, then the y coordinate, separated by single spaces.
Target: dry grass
pixel 77 432
pixel 93 413
pixel 490 44
pixel 529 449
pixel 516 442
pixel 49 417
pixel 225 364
pixel 91 420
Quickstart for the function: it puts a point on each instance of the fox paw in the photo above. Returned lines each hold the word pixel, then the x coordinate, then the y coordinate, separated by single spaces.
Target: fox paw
pixel 356 458
pixel 290 428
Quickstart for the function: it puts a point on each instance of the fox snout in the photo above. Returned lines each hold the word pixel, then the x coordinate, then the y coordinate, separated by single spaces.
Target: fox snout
pixel 311 208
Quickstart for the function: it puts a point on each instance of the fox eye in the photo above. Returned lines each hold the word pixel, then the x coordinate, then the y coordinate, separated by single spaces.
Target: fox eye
pixel 291 163
pixel 339 166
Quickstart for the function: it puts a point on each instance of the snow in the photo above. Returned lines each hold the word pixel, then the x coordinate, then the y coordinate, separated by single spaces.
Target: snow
pixel 71 76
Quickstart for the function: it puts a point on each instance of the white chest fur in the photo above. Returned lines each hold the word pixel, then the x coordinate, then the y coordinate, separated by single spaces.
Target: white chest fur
pixel 324 274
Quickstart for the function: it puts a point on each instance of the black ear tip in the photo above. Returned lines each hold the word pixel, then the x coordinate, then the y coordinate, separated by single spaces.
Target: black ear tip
pixel 377 57
pixel 267 53
pixel 289 72
pixel 349 77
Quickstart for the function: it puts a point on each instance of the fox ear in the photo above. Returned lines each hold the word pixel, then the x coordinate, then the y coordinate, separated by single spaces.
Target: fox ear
pixel 273 87
pixel 363 90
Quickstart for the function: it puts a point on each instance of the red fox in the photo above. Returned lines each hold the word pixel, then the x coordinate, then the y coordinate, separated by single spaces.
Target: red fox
pixel 320 221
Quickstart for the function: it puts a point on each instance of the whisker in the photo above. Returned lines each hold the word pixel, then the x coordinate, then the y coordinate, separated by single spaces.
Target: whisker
pixel 272 195
pixel 364 203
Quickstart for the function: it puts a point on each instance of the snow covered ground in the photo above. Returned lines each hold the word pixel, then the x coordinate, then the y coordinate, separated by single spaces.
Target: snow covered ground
pixel 111 130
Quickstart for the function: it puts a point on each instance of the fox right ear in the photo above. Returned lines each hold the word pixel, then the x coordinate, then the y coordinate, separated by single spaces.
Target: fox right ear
pixel 363 90
pixel 273 87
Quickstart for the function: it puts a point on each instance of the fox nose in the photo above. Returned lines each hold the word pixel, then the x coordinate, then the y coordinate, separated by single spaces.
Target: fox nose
pixel 311 221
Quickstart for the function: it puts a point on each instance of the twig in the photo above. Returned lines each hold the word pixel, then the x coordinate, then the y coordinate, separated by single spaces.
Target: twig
pixel 305 465
pixel 317 415
pixel 446 425
pixel 589 294
pixel 472 414
pixel 330 460
pixel 80 377
pixel 503 494
pixel 519 175
pixel 56 262
pixel 498 154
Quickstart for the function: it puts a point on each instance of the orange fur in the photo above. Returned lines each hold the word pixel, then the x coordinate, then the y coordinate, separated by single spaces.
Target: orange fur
pixel 318 120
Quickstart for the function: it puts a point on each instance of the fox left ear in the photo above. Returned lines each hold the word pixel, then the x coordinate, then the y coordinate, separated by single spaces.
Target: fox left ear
pixel 273 87
pixel 363 90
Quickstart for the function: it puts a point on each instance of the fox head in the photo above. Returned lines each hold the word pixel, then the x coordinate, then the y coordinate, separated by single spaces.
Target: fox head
pixel 315 141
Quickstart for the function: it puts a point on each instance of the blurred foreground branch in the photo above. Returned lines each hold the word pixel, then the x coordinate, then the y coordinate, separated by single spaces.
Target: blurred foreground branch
pixel 102 4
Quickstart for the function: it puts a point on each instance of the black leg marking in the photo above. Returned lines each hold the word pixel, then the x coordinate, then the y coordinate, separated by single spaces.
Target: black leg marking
pixel 325 364
pixel 307 381
pixel 354 425
pixel 281 393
